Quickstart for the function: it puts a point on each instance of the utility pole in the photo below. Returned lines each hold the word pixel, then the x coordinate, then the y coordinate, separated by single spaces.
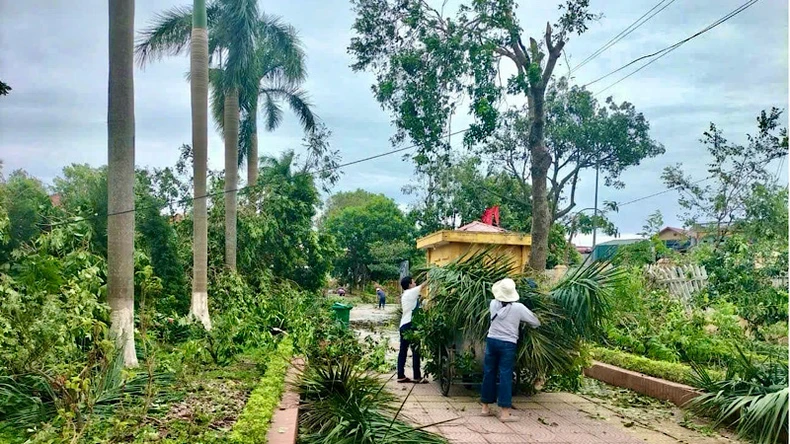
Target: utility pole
pixel 595 212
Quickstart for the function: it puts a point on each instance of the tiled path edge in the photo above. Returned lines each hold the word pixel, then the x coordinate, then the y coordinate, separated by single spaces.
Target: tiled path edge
pixel 285 421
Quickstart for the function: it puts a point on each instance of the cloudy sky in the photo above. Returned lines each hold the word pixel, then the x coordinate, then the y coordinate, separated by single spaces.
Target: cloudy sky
pixel 54 55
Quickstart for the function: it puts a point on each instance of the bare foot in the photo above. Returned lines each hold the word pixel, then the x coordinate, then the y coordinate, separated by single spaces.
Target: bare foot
pixel 506 416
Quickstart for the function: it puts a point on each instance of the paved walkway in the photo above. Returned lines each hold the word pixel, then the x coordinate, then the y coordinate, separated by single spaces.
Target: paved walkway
pixel 544 418
pixel 558 418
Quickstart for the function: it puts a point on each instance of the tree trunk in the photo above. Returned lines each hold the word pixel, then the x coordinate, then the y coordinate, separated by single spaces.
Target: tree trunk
pixel 252 156
pixel 120 178
pixel 231 119
pixel 199 93
pixel 541 161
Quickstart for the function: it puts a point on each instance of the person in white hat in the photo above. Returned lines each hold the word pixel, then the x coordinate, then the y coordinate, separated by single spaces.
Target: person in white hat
pixel 500 356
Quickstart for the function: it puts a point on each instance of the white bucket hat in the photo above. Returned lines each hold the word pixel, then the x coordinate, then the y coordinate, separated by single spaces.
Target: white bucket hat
pixel 505 290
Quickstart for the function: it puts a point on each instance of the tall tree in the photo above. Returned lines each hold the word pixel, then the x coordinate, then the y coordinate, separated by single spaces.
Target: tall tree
pixel 734 171
pixel 235 28
pixel 278 73
pixel 364 231
pixel 198 68
pixel 581 134
pixel 425 63
pixel 4 88
pixel 121 177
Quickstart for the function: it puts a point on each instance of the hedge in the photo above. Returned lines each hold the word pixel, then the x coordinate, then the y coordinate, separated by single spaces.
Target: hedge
pixel 256 418
pixel 671 371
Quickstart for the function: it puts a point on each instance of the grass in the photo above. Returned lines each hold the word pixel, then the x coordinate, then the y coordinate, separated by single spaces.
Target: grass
pixel 254 422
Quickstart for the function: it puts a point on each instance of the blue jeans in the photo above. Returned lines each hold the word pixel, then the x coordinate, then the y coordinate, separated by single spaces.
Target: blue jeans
pixel 499 359
pixel 405 345
pixel 382 302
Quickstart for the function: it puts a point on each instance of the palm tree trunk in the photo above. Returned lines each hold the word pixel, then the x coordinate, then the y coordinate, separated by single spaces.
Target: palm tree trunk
pixel 199 93
pixel 231 119
pixel 252 155
pixel 120 178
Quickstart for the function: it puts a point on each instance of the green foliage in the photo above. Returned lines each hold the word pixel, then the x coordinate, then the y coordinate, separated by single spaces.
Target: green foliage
pixel 276 234
pixel 253 423
pixel 753 396
pixel 374 235
pixel 736 171
pixel 27 206
pixel 739 272
pixel 346 404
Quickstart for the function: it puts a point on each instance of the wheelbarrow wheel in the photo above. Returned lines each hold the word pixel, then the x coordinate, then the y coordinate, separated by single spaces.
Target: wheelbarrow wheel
pixel 445 371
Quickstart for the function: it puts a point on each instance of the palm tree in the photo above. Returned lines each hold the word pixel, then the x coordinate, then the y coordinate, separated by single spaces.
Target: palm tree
pixel 280 69
pixel 198 69
pixel 234 27
pixel 120 177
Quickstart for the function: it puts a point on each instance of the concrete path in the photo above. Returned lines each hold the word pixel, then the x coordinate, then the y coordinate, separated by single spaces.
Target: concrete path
pixel 558 418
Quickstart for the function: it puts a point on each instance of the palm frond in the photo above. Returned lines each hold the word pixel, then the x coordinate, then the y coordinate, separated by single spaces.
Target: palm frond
pixel 344 403
pixel 169 34
pixel 460 293
pixel 247 129
pixel 272 113
pixel 238 29
pixel 297 100
pixel 216 83
pixel 753 397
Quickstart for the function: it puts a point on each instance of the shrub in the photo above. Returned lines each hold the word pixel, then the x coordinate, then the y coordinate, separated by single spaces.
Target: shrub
pixel 253 424
pixel 680 373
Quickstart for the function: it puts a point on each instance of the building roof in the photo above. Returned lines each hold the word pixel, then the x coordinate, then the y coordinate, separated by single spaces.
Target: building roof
pixel 675 230
pixel 619 242
pixel 480 227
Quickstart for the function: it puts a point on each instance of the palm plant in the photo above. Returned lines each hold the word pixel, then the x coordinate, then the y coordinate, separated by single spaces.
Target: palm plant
pixel 236 32
pixel 279 70
pixel 345 404
pixel 753 397
pixel 460 295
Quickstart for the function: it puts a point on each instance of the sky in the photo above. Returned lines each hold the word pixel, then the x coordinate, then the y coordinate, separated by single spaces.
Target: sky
pixel 54 55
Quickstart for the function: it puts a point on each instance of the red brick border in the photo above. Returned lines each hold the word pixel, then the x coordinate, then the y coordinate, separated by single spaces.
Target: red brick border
pixel 285 421
pixel 678 394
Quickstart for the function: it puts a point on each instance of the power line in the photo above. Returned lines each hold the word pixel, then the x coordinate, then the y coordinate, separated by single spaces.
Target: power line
pixel 639 199
pixel 236 190
pixel 663 52
pixel 624 33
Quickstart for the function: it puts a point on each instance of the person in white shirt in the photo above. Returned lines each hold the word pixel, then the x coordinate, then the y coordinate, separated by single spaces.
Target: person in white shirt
pixel 500 356
pixel 409 301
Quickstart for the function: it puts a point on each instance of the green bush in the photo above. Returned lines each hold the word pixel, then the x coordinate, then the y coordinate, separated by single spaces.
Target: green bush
pixel 680 373
pixel 253 423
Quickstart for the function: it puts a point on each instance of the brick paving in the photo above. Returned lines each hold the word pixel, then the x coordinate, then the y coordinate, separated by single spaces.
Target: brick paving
pixel 558 418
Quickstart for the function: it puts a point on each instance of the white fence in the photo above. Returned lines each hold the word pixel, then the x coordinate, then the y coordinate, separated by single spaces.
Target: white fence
pixel 680 281
pixel 683 281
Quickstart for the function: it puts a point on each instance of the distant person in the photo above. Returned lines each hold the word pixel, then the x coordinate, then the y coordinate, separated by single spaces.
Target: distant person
pixel 409 301
pixel 341 291
pixel 506 316
pixel 382 297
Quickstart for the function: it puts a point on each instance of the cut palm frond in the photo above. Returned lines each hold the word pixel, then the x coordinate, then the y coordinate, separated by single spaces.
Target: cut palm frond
pixel 344 404
pixel 753 397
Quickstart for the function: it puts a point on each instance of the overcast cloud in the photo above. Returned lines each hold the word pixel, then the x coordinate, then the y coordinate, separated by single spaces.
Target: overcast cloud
pixel 54 55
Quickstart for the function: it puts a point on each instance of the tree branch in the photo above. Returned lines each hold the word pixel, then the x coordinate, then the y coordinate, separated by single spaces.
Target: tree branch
pixel 554 54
